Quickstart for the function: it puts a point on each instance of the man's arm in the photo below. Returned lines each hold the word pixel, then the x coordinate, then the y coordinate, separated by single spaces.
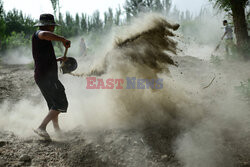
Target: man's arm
pixel 47 35
pixel 224 35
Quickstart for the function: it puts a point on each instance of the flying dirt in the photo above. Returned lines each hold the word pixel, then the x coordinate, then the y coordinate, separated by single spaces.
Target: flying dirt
pixel 181 124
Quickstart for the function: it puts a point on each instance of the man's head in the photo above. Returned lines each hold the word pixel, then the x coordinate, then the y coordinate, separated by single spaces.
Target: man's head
pixel 46 22
pixel 225 22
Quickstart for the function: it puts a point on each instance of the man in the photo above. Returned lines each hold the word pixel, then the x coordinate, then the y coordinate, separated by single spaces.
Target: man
pixel 83 48
pixel 46 72
pixel 229 37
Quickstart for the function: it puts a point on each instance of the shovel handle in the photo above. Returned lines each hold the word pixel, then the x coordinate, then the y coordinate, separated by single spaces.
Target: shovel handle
pixel 65 53
pixel 66 49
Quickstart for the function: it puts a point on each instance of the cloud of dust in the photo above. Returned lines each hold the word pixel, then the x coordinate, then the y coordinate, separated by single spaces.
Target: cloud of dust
pixel 201 35
pixel 20 55
pixel 206 120
pixel 208 142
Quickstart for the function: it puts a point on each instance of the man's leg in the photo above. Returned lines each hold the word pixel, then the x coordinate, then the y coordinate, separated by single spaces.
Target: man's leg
pixel 231 48
pixel 51 115
pixel 227 49
pixel 56 124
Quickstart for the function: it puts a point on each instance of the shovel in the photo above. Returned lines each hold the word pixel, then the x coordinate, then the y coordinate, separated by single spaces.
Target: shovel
pixel 65 55
pixel 217 47
pixel 68 64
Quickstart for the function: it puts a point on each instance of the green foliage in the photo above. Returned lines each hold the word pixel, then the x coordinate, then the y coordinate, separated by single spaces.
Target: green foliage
pixel 16 40
pixel 227 4
pixel 118 13
pixel 2 29
pixel 55 6
pixel 77 22
pixel 108 19
pixel 16 29
pixel 68 28
pixel 59 49
pixel 166 6
pixel 1 9
pixel 15 21
pixel 84 23
pixel 244 89
pixel 2 25
pixel 134 7
pixel 96 21
pixel 222 4
pixel 158 6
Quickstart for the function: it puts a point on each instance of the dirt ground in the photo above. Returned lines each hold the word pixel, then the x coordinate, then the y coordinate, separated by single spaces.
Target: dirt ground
pixel 151 146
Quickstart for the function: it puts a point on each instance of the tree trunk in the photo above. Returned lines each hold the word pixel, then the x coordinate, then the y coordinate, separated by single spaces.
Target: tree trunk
pixel 240 24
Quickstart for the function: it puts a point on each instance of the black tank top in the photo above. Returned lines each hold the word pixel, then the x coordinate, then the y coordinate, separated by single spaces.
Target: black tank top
pixel 44 58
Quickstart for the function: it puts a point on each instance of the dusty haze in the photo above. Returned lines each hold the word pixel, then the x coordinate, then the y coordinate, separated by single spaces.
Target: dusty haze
pixel 205 119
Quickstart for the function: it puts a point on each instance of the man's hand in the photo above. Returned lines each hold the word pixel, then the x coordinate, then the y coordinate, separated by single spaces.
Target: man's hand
pixel 223 35
pixel 66 43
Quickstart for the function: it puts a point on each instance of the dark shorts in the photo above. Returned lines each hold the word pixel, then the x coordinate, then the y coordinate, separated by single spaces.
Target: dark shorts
pixel 54 93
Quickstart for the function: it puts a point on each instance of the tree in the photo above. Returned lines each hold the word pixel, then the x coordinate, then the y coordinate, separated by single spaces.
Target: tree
pixel 158 6
pixel 70 27
pixel 1 9
pixel 77 24
pixel 166 6
pixel 96 22
pixel 55 6
pixel 16 40
pixel 84 23
pixel 108 19
pixel 60 29
pixel 149 5
pixel 237 7
pixel 176 14
pixel 2 23
pixel 28 26
pixel 118 13
pixel 89 23
pixel 188 15
pixel 134 7
pixel 14 22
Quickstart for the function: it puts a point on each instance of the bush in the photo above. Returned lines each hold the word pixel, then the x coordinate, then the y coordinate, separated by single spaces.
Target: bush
pixel 16 40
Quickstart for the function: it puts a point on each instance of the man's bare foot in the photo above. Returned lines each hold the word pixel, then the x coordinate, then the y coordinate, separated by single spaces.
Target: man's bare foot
pixel 42 133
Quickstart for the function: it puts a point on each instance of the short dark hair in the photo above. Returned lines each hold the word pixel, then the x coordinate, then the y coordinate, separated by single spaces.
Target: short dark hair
pixel 225 21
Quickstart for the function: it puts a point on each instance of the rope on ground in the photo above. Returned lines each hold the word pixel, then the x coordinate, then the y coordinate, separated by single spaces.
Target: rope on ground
pixel 209 83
